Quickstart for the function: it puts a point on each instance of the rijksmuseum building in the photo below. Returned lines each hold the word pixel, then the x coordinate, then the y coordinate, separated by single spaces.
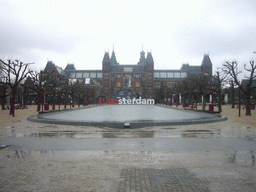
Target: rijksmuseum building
pixel 141 79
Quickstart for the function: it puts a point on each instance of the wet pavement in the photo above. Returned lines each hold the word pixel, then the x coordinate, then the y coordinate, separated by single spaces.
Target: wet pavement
pixel 206 157
pixel 131 144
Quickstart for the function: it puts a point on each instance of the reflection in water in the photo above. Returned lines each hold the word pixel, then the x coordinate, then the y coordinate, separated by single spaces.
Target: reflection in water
pixel 28 155
pixel 21 155
pixel 83 135
pixel 137 134
pixel 245 158
pixel 197 133
pixel 67 134
pixel 253 158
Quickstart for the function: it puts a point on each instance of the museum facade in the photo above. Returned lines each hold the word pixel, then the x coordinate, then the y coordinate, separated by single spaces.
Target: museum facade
pixel 140 80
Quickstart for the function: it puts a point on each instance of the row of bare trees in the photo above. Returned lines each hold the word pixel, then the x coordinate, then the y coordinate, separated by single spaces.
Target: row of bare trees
pixel 16 74
pixel 225 77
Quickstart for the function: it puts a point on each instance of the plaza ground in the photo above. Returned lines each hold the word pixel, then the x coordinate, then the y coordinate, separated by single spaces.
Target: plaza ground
pixel 128 170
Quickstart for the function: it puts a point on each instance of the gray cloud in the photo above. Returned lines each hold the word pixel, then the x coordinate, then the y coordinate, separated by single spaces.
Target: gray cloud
pixel 17 37
pixel 200 38
pixel 230 29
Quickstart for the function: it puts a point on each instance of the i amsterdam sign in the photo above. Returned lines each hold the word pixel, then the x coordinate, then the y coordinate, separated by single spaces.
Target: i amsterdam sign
pixel 133 101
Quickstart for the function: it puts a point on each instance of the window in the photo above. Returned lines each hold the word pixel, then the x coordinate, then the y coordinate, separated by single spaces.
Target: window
pixel 163 74
pixel 72 75
pixel 121 93
pixel 99 75
pixel 137 76
pixel 137 84
pixel 150 76
pixel 118 84
pixel 177 75
pixel 79 75
pixel 86 75
pixel 87 81
pixel 183 75
pixel 156 74
pixel 118 76
pixel 92 75
pixel 169 74
pixel 112 75
pixel 128 69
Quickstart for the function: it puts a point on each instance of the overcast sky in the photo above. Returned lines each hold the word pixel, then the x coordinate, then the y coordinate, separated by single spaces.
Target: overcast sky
pixel 80 31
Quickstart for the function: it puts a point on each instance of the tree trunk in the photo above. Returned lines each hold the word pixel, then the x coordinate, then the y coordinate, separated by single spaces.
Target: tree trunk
pixel 3 99
pixel 192 101
pixel 39 98
pixel 53 100
pixel 219 102
pixel 204 102
pixel 12 108
pixel 233 94
pixel 248 104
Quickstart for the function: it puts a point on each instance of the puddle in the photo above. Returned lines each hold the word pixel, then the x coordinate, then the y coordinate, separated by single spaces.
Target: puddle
pixel 197 135
pixel 49 126
pixel 244 158
pixel 196 131
pixel 168 128
pixel 67 134
pixel 52 155
pixel 137 134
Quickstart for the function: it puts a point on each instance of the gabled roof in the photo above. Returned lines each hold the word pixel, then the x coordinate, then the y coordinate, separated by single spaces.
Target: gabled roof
pixel 106 57
pixel 70 67
pixel 50 65
pixel 149 57
pixel 113 59
pixel 206 60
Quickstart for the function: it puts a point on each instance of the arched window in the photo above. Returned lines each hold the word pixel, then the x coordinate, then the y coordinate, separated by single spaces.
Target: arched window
pixel 137 84
pixel 118 84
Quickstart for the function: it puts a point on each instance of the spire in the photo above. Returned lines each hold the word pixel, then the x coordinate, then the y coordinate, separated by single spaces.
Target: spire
pixel 142 57
pixel 113 57
pixel 149 57
pixel 206 65
pixel 206 60
pixel 106 57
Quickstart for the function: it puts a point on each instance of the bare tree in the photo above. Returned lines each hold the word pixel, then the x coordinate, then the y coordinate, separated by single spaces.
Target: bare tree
pixel 15 71
pixel 231 68
pixel 178 89
pixel 232 86
pixel 190 85
pixel 202 83
pixel 218 83
pixel 3 90
pixel 54 82
pixel 37 82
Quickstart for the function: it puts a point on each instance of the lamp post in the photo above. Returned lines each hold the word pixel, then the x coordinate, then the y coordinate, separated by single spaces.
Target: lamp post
pixel 59 100
pixel 184 100
pixel 42 100
pixel 196 98
pixel 13 100
pixel 78 100
pixel 239 102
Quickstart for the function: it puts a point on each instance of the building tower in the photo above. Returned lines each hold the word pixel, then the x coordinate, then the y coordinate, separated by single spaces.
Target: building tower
pixel 206 65
pixel 149 69
pixel 106 68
